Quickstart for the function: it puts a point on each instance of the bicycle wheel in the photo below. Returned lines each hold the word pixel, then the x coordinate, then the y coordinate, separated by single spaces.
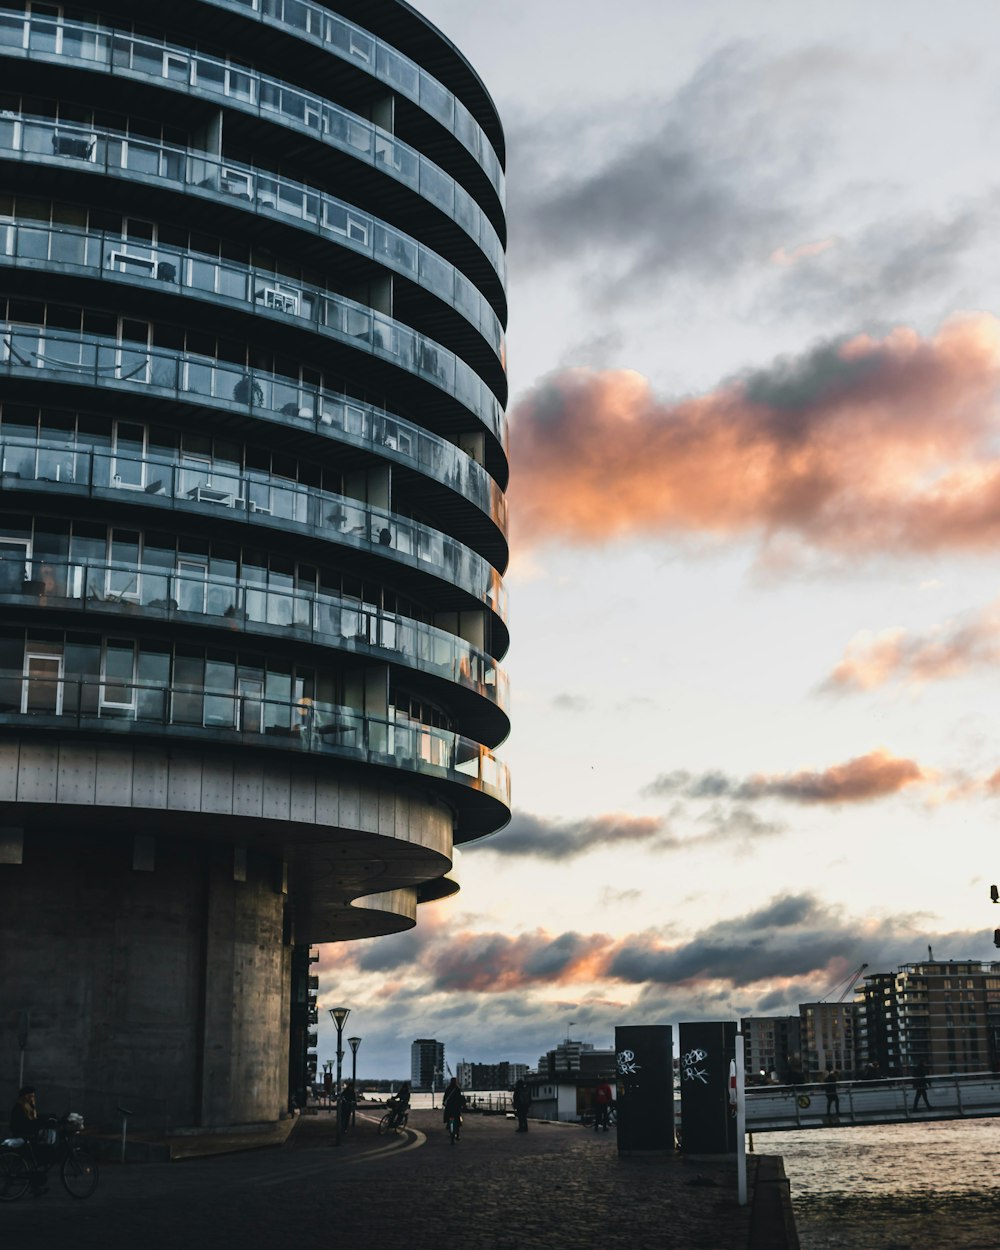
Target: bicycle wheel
pixel 79 1170
pixel 385 1123
pixel 14 1176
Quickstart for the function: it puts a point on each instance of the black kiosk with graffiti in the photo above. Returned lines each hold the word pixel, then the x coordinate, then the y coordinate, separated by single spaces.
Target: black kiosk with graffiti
pixel 645 1097
pixel 708 1114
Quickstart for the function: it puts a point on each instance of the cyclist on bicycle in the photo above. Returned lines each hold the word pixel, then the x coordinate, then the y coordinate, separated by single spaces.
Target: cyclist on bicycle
pixel 453 1106
pixel 399 1103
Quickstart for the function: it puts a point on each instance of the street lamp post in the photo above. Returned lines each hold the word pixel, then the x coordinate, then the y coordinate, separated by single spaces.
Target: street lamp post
pixel 339 1016
pixel 354 1043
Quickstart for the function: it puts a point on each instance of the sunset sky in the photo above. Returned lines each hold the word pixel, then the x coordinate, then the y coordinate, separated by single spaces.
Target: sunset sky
pixel 755 436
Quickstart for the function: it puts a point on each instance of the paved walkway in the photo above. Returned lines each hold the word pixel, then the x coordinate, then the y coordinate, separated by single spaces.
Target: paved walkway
pixel 558 1187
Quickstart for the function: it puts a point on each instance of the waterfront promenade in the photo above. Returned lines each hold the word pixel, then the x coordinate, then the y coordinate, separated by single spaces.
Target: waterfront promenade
pixel 558 1187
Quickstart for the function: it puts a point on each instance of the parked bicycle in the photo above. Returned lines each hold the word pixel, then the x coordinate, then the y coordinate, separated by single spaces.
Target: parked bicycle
pixel 23 1163
pixel 587 1118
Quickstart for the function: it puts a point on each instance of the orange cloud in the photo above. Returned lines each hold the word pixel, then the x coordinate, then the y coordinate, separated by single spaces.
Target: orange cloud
pixel 863 446
pixel 867 777
pixel 871 776
pixel 948 651
pixel 804 251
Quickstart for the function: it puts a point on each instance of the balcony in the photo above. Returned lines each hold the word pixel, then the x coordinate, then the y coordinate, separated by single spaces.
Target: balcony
pixel 148 592
pixel 255 499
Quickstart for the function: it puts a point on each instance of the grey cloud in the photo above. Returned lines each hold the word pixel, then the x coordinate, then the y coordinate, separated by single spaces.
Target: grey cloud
pixel 609 896
pixel 795 939
pixel 874 273
pixel 703 185
pixel 708 785
pixel 570 703
pixel 544 838
pixel 475 991
pixel 550 839
pixel 865 778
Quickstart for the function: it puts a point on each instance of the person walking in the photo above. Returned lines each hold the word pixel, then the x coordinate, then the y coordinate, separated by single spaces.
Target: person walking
pixel 921 1084
pixel 521 1101
pixel 832 1097
pixel 603 1099
pixel 453 1105
pixel 348 1105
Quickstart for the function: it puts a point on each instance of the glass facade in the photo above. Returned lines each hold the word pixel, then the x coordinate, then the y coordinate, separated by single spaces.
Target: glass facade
pixel 242 475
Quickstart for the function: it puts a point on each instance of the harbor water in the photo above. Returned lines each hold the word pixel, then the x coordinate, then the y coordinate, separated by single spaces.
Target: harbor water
pixel 935 1186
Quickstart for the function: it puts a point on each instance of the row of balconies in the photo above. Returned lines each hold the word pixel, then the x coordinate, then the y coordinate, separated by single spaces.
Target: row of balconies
pixel 50 700
pixel 189 487
pixel 191 596
pixel 92 360
pixel 350 323
pixel 387 64
pixel 181 69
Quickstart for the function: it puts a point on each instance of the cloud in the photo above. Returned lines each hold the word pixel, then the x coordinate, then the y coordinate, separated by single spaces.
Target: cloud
pixel 704 184
pixel 946 651
pixel 570 703
pixel 544 838
pixel 860 780
pixel 882 265
pixel 857 447
pixel 872 776
pixel 791 935
pixel 496 995
pixel 804 251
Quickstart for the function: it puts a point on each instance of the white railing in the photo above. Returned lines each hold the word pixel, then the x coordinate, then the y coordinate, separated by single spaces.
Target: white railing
pixel 955 1096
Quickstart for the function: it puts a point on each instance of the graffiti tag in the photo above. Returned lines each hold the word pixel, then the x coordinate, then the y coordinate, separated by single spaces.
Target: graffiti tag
pixel 627 1065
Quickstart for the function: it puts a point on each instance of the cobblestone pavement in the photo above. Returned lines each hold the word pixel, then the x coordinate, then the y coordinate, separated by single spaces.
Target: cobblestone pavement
pixel 557 1187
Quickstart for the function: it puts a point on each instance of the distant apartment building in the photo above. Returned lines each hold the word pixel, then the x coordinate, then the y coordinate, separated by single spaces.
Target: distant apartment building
pixel 948 1014
pixel 426 1064
pixel 490 1076
pixel 879 1037
pixel 577 1058
pixel 829 1037
pixel 772 1046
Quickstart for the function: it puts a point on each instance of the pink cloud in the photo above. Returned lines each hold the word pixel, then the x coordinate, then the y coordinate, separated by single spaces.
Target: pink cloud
pixel 867 777
pixel 867 446
pixel 947 651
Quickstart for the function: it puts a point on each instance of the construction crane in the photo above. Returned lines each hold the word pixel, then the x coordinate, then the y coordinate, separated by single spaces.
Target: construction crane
pixel 845 985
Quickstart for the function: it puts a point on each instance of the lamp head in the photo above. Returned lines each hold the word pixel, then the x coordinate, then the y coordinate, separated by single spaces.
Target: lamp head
pixel 354 1043
pixel 338 1015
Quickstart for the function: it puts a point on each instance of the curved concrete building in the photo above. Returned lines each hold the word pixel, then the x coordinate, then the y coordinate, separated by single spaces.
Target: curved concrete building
pixel 252 524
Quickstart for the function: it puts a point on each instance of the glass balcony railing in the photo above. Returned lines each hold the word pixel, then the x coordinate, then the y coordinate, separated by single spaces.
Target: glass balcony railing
pixel 200 485
pixel 142 159
pixel 194 73
pixel 192 594
pixel 334 316
pixel 44 696
pixel 374 56
pixel 96 360
pixel 380 335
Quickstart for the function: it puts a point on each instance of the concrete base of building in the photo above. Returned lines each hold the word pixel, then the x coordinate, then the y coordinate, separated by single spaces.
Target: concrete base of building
pixel 161 988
